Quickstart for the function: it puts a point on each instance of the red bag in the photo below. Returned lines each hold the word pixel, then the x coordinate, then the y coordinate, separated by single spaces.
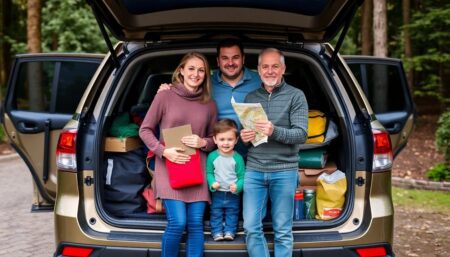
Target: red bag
pixel 153 205
pixel 186 175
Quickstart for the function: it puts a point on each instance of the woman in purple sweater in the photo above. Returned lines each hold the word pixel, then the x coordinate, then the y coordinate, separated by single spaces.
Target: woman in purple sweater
pixel 189 102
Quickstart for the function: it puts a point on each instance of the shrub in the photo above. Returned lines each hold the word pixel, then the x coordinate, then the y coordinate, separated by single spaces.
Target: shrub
pixel 2 135
pixel 443 135
pixel 439 172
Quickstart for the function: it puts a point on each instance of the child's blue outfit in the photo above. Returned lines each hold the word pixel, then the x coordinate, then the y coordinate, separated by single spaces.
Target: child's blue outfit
pixel 225 169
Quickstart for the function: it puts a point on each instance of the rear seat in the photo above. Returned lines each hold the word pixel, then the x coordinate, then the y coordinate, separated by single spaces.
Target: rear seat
pixel 149 91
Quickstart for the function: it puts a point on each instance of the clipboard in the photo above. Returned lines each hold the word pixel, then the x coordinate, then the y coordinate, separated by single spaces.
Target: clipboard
pixel 172 137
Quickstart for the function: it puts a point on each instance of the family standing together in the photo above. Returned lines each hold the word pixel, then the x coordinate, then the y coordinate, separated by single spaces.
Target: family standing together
pixel 270 171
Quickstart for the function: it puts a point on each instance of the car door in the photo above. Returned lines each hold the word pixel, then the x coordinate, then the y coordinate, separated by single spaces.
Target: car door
pixel 42 94
pixel 384 82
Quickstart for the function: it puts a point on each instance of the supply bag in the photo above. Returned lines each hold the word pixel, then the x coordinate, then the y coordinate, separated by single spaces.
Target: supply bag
pixel 125 178
pixel 154 205
pixel 313 158
pixel 186 175
pixel 308 177
pixel 317 127
pixel 330 195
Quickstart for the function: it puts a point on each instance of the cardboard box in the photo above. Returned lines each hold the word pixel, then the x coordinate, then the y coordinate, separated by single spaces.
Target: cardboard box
pixel 301 188
pixel 308 177
pixel 115 144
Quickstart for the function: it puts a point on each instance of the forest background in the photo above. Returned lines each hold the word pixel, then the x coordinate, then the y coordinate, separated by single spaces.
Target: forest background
pixel 415 31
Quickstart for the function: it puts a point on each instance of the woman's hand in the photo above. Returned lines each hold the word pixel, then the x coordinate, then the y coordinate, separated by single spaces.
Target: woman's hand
pixel 175 155
pixel 247 135
pixel 194 141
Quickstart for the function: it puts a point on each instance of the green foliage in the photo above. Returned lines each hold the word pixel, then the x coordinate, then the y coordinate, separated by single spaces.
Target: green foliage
pixel 431 200
pixel 430 37
pixel 2 135
pixel 439 172
pixel 15 34
pixel 17 46
pixel 443 136
pixel 348 46
pixel 70 26
pixel 66 26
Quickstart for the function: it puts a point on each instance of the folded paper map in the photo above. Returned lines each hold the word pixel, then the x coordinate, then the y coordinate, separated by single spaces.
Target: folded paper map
pixel 248 114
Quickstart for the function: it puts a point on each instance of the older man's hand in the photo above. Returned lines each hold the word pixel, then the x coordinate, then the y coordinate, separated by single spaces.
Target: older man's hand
pixel 265 127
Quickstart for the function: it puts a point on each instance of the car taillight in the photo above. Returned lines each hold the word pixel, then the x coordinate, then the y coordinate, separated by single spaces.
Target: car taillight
pixel 72 251
pixel 66 150
pixel 382 151
pixel 371 252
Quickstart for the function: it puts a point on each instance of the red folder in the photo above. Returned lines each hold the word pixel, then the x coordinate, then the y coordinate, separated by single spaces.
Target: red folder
pixel 186 175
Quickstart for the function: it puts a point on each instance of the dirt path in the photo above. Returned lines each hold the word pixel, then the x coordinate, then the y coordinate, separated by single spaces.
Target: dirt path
pixel 420 153
pixel 419 233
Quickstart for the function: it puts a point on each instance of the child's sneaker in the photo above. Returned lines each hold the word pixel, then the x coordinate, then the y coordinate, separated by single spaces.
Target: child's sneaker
pixel 218 237
pixel 228 236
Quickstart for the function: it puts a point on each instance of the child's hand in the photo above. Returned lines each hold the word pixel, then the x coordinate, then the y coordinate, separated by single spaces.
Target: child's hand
pixel 215 185
pixel 233 188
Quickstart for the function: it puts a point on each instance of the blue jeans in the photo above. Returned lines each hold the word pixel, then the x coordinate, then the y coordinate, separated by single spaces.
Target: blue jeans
pixel 181 215
pixel 225 206
pixel 259 187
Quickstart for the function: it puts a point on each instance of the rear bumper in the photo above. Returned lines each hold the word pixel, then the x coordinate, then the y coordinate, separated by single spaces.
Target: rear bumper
pixel 109 251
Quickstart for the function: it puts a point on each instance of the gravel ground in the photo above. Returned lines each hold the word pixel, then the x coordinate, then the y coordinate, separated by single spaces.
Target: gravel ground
pixel 419 233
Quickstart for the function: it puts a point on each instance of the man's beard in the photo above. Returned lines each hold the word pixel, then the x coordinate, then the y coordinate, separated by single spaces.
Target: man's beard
pixel 270 82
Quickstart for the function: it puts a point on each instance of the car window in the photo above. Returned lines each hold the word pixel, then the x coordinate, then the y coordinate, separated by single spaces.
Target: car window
pixel 33 87
pixel 52 86
pixel 384 92
pixel 74 78
pixel 382 85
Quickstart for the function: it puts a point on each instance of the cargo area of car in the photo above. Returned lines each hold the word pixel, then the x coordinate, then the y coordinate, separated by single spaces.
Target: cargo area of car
pixel 125 169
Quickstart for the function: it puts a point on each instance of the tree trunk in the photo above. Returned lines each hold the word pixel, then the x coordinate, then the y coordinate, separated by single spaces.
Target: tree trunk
pixel 406 4
pixel 34 69
pixel 380 50
pixel 380 28
pixel 366 28
pixel 34 26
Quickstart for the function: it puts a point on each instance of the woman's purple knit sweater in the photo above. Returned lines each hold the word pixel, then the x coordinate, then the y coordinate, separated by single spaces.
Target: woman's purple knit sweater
pixel 173 108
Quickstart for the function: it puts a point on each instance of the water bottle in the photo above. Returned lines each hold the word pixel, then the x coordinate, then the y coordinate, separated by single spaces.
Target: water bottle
pixel 298 205
pixel 310 203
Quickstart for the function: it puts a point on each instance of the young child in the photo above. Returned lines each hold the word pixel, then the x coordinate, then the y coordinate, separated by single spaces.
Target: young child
pixel 225 173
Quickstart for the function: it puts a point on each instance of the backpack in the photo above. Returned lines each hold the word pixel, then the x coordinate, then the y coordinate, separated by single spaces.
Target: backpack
pixel 317 127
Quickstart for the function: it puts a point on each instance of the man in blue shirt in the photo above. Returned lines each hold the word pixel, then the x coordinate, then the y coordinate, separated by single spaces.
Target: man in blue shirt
pixel 232 80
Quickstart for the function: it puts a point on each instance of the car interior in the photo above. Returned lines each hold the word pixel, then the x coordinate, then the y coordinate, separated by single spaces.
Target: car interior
pixel 142 79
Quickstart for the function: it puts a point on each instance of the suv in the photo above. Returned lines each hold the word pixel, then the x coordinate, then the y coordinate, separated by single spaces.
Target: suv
pixel 372 112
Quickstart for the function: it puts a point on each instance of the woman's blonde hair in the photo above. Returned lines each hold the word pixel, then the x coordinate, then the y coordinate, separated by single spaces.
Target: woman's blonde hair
pixel 206 85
